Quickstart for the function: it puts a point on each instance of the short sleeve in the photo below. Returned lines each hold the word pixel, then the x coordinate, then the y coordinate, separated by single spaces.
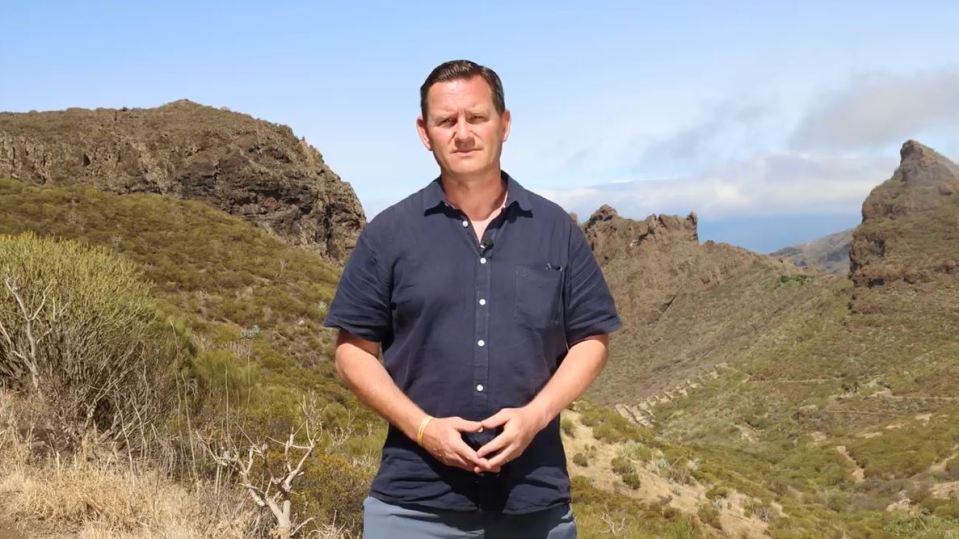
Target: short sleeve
pixel 361 304
pixel 589 306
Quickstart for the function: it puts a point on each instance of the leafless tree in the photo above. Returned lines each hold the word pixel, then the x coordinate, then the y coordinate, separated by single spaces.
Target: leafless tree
pixel 276 492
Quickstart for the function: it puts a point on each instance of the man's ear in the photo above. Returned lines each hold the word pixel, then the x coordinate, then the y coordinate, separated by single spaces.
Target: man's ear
pixel 507 121
pixel 421 129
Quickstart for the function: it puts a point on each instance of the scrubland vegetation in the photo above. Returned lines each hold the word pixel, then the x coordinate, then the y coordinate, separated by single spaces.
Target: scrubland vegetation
pixel 163 372
pixel 201 341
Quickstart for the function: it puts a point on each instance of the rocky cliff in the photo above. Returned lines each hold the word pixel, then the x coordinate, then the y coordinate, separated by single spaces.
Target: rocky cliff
pixel 248 167
pixel 910 223
pixel 649 262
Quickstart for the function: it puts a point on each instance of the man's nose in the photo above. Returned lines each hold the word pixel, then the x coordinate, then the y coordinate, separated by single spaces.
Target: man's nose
pixel 462 132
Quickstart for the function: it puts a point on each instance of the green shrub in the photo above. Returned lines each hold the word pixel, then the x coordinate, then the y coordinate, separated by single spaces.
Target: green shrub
pixel 801 279
pixel 609 426
pixel 948 510
pixel 621 466
pixel 632 480
pixel 223 376
pixel 717 492
pixel 580 460
pixel 709 515
pixel 81 330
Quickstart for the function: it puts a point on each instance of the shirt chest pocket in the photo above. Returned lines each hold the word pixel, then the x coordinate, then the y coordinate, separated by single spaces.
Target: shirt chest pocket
pixel 539 295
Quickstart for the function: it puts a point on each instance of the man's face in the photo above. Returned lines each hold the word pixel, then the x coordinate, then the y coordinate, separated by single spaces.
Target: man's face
pixel 462 127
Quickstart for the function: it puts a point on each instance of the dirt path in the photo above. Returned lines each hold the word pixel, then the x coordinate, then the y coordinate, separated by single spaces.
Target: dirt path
pixel 859 474
pixel 944 463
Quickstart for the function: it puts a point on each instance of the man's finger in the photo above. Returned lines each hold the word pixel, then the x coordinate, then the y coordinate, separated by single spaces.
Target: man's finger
pixel 502 457
pixel 463 464
pixel 497 419
pixel 477 469
pixel 467 454
pixel 495 445
pixel 464 425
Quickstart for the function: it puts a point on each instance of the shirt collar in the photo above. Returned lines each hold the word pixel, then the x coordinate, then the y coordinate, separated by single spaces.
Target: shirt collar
pixel 434 195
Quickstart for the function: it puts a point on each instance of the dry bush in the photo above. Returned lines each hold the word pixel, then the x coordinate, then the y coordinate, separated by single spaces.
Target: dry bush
pixel 78 328
pixel 296 488
pixel 274 493
pixel 99 492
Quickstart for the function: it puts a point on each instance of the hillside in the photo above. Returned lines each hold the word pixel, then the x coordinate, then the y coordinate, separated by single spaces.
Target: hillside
pixel 828 253
pixel 251 306
pixel 832 397
pixel 676 296
pixel 754 398
pixel 251 168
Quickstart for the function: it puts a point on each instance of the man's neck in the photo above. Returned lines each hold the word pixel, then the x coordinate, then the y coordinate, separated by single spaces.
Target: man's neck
pixel 477 197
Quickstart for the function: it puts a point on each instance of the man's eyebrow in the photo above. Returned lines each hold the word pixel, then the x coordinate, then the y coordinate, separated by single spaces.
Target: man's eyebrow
pixel 441 113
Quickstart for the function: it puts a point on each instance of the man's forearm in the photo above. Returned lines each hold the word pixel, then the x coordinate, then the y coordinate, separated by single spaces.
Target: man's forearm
pixel 372 384
pixel 583 363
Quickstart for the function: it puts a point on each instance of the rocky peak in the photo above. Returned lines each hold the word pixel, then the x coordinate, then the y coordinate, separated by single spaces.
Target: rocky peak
pixel 611 235
pixel 604 213
pixel 909 222
pixel 254 169
pixel 922 166
pixel 648 264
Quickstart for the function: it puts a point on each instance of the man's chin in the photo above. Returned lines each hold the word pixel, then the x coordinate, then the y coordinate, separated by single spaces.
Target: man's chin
pixel 469 169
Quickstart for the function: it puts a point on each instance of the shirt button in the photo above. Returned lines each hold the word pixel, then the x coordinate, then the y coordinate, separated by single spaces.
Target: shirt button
pixel 466 224
pixel 481 342
pixel 479 387
pixel 483 260
pixel 482 301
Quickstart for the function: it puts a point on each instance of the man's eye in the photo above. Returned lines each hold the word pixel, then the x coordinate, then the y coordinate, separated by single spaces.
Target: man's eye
pixel 477 119
pixel 447 122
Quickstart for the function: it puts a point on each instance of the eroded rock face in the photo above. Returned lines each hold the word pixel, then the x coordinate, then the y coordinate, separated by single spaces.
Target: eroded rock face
pixel 251 168
pixel 651 262
pixel 611 235
pixel 910 223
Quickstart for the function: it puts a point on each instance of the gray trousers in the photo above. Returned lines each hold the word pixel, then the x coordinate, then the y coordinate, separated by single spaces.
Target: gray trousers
pixel 383 520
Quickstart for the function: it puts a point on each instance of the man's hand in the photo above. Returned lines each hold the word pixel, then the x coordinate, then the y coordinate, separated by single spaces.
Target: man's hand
pixel 443 439
pixel 520 425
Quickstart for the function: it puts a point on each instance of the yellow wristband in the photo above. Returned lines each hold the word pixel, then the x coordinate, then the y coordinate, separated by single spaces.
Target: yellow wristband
pixel 422 429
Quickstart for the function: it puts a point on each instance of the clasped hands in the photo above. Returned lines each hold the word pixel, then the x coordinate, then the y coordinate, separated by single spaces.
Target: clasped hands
pixel 443 438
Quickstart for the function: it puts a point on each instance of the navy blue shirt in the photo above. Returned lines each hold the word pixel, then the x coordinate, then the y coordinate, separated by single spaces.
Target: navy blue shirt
pixel 469 327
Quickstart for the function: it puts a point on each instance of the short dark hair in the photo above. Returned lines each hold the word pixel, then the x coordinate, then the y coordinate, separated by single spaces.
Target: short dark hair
pixel 463 69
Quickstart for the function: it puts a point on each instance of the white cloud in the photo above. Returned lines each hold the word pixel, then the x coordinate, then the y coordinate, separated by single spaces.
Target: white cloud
pixel 727 123
pixel 874 110
pixel 765 184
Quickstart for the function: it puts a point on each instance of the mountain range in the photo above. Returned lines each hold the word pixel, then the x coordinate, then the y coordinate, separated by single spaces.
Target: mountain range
pixel 809 392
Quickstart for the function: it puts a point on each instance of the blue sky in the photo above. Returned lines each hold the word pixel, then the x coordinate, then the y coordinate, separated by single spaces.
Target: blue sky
pixel 771 121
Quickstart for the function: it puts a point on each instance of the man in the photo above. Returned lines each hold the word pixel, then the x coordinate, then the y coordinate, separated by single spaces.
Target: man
pixel 492 316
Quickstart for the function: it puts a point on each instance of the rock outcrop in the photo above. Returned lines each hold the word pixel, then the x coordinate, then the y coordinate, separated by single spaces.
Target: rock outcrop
pixel 610 235
pixel 248 167
pixel 648 263
pixel 910 223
